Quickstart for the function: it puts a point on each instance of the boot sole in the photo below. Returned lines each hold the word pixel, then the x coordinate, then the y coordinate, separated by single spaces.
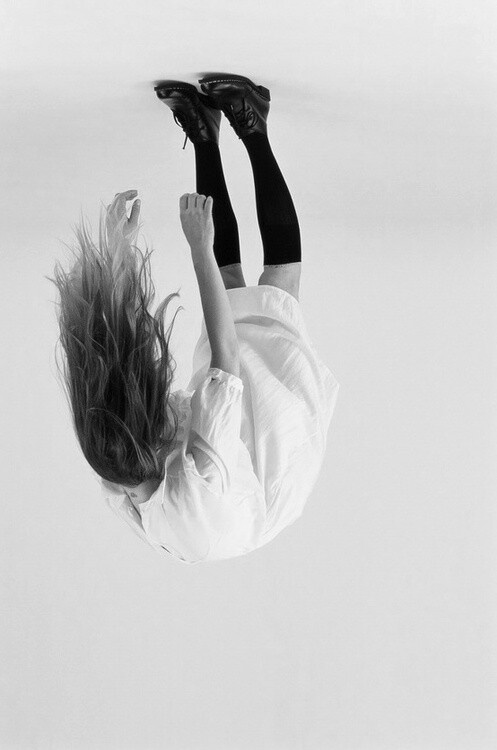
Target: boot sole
pixel 191 91
pixel 188 88
pixel 227 77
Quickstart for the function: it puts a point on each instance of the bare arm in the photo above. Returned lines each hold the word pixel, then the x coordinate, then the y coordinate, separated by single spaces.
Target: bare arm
pixel 198 226
pixel 217 311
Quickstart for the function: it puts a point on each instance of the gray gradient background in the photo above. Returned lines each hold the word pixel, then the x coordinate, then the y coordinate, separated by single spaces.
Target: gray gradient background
pixel 370 623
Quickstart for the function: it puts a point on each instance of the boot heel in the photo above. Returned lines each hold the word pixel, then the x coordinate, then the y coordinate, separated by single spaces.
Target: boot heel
pixel 265 92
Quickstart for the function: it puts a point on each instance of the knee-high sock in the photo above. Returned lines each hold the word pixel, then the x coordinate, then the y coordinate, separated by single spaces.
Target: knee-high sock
pixel 278 222
pixel 210 181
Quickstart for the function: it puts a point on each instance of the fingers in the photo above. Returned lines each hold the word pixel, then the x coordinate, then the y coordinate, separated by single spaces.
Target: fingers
pixel 195 200
pixel 135 210
pixel 188 201
pixel 128 194
pixel 121 198
pixel 119 202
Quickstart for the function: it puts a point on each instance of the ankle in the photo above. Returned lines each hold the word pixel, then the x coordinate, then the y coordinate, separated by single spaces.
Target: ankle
pixel 262 137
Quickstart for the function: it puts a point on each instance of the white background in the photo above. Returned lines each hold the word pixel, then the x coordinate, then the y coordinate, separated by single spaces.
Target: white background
pixel 370 623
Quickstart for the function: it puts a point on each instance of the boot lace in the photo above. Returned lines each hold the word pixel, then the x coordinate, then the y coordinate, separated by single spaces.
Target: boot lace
pixel 194 126
pixel 243 118
pixel 240 119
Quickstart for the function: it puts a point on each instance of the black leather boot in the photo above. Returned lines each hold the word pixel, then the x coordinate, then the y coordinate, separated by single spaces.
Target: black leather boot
pixel 195 113
pixel 245 105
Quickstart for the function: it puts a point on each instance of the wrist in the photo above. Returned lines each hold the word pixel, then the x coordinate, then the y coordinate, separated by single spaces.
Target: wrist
pixel 203 262
pixel 201 249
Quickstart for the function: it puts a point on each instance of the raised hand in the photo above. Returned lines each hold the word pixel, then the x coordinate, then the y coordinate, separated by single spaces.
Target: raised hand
pixel 117 210
pixel 197 222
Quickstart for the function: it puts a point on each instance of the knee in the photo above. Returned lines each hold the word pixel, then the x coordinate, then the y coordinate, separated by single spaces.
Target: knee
pixel 232 276
pixel 286 277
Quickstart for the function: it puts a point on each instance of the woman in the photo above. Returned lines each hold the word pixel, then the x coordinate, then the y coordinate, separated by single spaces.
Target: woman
pixel 219 469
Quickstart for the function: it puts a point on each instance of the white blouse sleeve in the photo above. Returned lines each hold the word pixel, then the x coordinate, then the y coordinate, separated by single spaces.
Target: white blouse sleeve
pixel 212 446
pixel 195 516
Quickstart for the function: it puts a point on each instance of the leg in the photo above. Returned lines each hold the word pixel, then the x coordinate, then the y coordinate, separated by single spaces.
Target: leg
pixel 285 277
pixel 210 181
pixel 277 218
pixel 232 276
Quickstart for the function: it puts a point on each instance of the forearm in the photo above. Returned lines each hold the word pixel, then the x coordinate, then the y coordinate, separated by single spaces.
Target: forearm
pixel 218 315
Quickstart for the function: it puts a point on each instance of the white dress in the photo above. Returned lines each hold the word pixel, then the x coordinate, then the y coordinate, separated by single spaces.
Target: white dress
pixel 259 440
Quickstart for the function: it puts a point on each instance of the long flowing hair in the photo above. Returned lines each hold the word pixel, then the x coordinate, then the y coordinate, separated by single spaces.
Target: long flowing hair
pixel 118 368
